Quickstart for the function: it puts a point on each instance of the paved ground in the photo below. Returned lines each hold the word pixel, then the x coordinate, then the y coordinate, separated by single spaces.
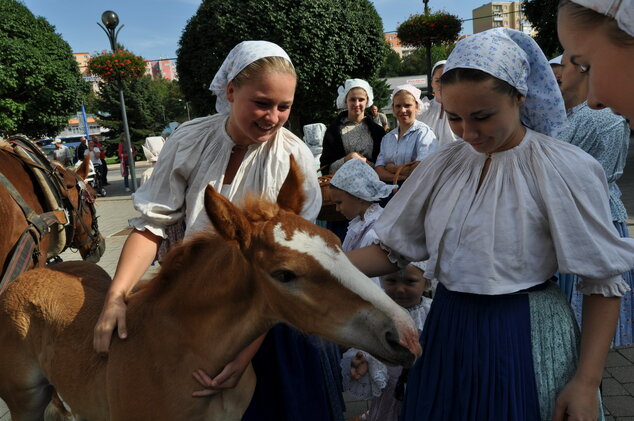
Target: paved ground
pixel 115 210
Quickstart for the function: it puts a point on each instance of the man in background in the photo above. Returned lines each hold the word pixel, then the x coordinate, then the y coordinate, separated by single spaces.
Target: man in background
pixel 379 118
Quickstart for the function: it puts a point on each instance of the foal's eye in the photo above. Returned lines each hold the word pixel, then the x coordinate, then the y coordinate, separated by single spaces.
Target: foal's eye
pixel 284 276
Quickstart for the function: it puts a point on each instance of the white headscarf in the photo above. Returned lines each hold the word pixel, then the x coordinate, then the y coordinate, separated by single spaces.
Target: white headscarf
pixel 152 147
pixel 360 180
pixel 238 58
pixel 515 58
pixel 351 84
pixel 416 93
pixel 622 11
pixel 438 64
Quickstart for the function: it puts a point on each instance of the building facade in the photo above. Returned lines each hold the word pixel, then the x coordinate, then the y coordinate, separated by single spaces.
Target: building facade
pixel 395 44
pixel 161 69
pixel 82 60
pixel 501 14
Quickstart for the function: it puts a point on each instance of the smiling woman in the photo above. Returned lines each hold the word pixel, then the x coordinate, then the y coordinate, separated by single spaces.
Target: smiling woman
pixel 241 151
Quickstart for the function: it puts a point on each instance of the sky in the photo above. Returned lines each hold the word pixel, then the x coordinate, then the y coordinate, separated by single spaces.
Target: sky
pixel 153 27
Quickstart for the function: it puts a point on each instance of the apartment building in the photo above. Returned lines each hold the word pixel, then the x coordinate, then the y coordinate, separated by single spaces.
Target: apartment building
pixel 501 14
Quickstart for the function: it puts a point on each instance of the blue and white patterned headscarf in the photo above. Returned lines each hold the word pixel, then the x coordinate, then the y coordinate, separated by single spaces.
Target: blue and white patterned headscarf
pixel 350 84
pixel 238 58
pixel 360 180
pixel 622 11
pixel 515 58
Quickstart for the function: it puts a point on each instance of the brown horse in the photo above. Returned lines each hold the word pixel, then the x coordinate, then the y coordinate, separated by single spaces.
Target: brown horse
pixel 214 294
pixel 75 206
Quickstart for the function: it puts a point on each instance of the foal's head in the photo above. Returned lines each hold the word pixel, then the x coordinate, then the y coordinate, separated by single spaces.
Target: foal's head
pixel 304 278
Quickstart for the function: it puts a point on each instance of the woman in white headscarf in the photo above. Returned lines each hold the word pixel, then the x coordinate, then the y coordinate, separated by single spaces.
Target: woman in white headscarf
pixel 599 36
pixel 241 150
pixel 432 112
pixel 495 214
pixel 353 134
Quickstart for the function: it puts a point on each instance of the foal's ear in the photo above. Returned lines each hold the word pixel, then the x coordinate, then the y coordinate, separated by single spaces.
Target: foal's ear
pixel 228 220
pixel 83 169
pixel 292 196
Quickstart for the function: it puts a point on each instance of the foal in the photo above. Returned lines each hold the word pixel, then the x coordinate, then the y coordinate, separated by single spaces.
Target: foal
pixel 214 295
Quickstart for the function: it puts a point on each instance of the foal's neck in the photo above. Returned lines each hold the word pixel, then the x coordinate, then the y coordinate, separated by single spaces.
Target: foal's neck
pixel 206 298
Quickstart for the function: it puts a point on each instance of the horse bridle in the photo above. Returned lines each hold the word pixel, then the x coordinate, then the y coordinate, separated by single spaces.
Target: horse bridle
pixel 85 200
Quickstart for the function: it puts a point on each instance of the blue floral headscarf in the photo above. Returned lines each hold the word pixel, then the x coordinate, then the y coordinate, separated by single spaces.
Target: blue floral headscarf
pixel 515 58
pixel 360 180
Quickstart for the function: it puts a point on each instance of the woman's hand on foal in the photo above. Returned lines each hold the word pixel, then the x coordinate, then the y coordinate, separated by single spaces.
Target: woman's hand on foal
pixel 228 378
pixel 112 315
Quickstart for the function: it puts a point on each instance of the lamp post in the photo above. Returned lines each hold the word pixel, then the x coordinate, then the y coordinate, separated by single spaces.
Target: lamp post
pixel 110 21
pixel 428 54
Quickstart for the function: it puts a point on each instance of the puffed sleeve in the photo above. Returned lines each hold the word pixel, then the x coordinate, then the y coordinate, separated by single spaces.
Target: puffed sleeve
pixel 161 200
pixel 312 190
pixel 401 228
pixel 426 142
pixel 575 195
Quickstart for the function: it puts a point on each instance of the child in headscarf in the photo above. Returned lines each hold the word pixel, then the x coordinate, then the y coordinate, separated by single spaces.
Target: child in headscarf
pixel 495 215
pixel 356 190
pixel 364 376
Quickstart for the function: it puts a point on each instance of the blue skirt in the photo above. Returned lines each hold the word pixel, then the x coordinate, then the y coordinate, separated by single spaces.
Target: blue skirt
pixel 292 382
pixel 624 334
pixel 502 357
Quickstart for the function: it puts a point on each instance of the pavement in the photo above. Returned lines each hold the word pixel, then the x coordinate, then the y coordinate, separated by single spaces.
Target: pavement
pixel 116 208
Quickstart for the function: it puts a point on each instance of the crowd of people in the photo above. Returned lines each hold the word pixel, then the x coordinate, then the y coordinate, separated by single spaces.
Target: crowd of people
pixel 506 212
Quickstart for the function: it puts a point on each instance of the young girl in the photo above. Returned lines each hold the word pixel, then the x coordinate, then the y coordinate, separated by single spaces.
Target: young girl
pixel 352 134
pixel 355 189
pixel 410 142
pixel 366 377
pixel 242 149
pixel 495 215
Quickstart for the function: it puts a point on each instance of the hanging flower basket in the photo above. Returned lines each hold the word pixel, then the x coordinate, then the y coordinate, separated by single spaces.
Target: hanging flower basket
pixel 118 65
pixel 437 28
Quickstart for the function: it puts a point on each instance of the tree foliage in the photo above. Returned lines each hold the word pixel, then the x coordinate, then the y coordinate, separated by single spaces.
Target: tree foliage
pixel 415 63
pixel 328 41
pixel 40 83
pixel 542 14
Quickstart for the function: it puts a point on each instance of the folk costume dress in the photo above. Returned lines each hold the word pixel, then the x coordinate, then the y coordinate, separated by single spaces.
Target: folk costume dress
pixel 606 137
pixel 291 383
pixel 500 341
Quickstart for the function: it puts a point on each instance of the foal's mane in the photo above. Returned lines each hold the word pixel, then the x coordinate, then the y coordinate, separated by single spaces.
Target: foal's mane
pixel 209 249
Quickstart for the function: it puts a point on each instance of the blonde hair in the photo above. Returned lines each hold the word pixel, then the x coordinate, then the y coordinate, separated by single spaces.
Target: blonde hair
pixel 273 64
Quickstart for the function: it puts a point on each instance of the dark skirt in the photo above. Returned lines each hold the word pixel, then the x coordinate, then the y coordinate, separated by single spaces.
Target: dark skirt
pixel 291 384
pixel 503 357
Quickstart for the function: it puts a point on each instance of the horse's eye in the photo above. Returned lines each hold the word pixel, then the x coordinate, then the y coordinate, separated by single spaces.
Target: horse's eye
pixel 284 276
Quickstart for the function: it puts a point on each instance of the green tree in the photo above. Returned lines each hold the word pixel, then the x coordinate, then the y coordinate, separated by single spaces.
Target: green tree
pixel 328 41
pixel 392 66
pixel 40 83
pixel 143 109
pixel 542 14
pixel 381 91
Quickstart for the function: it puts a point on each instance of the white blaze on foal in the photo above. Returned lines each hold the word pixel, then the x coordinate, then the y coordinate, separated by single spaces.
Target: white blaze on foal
pixel 336 262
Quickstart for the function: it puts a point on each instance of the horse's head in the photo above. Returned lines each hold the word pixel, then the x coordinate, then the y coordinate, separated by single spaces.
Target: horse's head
pixel 306 280
pixel 84 231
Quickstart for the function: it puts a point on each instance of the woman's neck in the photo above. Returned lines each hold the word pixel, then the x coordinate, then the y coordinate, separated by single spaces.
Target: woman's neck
pixel 356 118
pixel 403 128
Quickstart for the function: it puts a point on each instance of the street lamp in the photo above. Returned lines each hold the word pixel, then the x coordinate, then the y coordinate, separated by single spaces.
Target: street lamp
pixel 110 21
pixel 428 53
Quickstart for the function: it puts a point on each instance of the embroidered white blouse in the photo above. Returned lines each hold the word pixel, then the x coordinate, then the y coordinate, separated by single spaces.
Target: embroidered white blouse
pixel 360 232
pixel 197 155
pixel 542 206
pixel 431 115
pixel 415 144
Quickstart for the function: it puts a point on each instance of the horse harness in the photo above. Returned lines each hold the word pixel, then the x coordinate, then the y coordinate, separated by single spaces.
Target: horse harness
pixel 27 248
